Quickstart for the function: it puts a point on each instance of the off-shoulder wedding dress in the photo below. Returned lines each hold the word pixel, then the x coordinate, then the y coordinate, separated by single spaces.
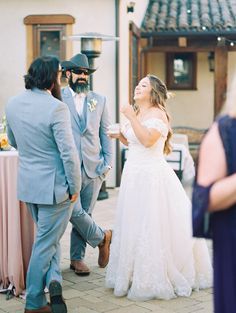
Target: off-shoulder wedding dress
pixel 153 254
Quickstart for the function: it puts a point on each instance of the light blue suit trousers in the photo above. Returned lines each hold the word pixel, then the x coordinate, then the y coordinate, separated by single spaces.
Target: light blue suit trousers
pixel 51 222
pixel 84 228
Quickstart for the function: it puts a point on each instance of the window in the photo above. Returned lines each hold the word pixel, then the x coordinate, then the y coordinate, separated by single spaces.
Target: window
pixel 181 71
pixel 48 40
pixel 45 35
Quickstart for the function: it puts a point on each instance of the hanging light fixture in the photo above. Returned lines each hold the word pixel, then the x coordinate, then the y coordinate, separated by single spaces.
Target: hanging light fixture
pixel 130 6
pixel 211 61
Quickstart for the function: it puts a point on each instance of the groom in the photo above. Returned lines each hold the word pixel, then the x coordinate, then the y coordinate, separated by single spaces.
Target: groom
pixel 48 176
pixel 89 118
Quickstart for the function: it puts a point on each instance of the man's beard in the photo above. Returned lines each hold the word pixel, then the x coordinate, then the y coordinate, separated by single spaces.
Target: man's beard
pixel 78 87
pixel 56 91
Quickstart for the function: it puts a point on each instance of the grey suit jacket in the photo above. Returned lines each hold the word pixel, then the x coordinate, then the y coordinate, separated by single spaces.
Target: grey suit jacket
pixel 90 132
pixel 39 127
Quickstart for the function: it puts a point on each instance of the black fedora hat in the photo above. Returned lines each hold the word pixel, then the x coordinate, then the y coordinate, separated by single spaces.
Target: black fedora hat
pixel 78 61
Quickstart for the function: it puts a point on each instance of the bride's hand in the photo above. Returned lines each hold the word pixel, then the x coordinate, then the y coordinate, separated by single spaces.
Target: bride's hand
pixel 114 136
pixel 128 111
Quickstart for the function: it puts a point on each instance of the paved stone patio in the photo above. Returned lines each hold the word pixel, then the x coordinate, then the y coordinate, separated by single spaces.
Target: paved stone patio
pixel 88 294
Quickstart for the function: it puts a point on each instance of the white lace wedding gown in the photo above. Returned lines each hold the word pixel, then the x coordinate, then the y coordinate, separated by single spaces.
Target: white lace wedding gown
pixel 153 254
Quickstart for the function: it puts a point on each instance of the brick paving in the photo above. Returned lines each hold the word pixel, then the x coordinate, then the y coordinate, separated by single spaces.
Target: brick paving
pixel 88 294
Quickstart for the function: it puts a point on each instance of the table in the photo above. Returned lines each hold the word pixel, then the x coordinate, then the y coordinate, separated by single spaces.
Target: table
pixel 16 226
pixel 180 159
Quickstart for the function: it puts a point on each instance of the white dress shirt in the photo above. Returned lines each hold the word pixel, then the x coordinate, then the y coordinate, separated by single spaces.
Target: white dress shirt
pixel 79 101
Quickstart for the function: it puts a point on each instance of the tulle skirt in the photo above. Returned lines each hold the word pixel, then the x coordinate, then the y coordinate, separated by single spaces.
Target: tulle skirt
pixel 153 254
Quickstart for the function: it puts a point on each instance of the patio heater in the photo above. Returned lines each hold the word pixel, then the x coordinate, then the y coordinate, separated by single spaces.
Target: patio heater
pixel 91 46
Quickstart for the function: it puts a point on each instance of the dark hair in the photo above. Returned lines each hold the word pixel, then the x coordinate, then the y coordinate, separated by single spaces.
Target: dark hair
pixel 42 73
pixel 159 95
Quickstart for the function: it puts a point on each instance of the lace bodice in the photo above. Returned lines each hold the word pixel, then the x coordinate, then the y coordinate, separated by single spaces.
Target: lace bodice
pixel 137 151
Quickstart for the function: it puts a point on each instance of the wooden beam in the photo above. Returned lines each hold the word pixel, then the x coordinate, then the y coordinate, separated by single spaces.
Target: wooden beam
pixel 134 29
pixel 182 42
pixel 134 32
pixel 206 48
pixel 29 45
pixel 179 49
pixel 220 78
pixel 49 19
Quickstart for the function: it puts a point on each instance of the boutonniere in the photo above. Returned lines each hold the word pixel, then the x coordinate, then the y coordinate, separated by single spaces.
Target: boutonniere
pixel 92 105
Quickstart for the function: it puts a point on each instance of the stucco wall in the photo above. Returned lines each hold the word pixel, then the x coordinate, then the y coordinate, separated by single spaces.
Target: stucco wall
pixel 90 15
pixel 231 67
pixel 189 107
pixel 125 18
pixel 192 108
pixel 231 92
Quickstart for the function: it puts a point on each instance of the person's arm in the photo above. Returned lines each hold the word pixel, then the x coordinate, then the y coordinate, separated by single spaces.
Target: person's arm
pixel 105 141
pixel 146 136
pixel 213 169
pixel 223 194
pixel 121 137
pixel 62 131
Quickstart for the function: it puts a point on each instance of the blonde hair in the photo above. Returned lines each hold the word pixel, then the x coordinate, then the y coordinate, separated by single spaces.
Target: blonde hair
pixel 159 95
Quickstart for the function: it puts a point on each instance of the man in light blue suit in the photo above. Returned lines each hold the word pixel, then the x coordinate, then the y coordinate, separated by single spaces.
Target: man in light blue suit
pixel 49 176
pixel 89 118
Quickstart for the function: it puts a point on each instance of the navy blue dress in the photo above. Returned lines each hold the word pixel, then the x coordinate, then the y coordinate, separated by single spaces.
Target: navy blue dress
pixel 223 228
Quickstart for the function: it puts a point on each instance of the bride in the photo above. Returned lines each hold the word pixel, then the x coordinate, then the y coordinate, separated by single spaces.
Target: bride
pixel 153 254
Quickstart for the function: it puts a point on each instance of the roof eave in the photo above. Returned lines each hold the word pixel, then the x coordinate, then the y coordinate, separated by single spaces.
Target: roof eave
pixel 188 33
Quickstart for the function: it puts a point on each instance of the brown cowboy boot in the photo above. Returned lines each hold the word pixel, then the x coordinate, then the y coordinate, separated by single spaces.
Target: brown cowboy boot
pixel 79 267
pixel 104 249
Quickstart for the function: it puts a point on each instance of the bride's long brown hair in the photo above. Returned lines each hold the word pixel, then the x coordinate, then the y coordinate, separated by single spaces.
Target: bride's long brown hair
pixel 159 95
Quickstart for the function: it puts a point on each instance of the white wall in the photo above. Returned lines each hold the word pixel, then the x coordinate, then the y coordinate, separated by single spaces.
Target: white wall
pixel 90 15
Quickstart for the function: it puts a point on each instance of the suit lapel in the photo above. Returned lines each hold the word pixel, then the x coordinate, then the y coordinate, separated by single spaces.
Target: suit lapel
pixel 85 112
pixel 70 102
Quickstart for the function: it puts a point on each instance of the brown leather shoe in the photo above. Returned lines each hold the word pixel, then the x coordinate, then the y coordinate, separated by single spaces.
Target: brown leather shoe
pixel 104 249
pixel 44 309
pixel 79 267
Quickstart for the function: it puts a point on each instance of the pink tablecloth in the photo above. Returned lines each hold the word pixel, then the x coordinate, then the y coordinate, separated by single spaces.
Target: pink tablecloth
pixel 16 226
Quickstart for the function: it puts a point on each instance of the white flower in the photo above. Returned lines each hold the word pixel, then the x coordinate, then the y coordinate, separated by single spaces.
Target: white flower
pixel 92 105
pixel 4 123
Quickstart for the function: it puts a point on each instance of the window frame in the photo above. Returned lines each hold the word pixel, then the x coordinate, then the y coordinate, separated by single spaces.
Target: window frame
pixel 36 38
pixel 65 21
pixel 134 64
pixel 170 82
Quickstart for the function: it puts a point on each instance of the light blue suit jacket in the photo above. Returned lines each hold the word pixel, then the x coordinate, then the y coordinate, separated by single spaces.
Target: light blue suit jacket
pixel 39 127
pixel 90 132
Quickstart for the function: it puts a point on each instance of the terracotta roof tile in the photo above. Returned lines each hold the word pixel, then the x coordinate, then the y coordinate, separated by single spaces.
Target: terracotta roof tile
pixel 189 15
